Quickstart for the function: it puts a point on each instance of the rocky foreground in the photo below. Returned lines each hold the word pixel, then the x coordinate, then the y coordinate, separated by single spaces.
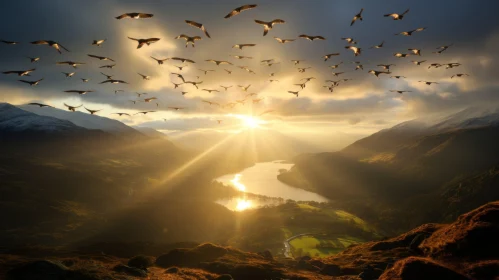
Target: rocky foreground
pixel 465 249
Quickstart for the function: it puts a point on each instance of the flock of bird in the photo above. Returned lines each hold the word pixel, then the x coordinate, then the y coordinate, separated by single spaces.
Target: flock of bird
pixel 253 98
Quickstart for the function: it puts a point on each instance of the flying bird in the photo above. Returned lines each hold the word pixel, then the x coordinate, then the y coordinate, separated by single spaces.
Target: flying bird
pixel 39 105
pixel 442 49
pixel 218 62
pixel 176 85
pixel 112 81
pixel 409 33
pixel 349 40
pixel 160 61
pixel 418 62
pixel 378 46
pixel 110 66
pixel 189 40
pixel 225 87
pixel 273 80
pixel 194 83
pixel 328 56
pixel 294 92
pixel 245 88
pixel 302 70
pixel 359 66
pixel 398 77
pixel 80 92
pixel 143 42
pixel 9 42
pixel 268 25
pixel 179 76
pixel 109 77
pixel 147 100
pixel 386 66
pixel 241 56
pixel 34 59
pixel 144 112
pixel 241 46
pixel 415 51
pixel 210 90
pixel 452 65
pixel 198 25
pixel 70 63
pixel 206 71
pixel 400 91
pixel 98 43
pixel 52 44
pixel 20 73
pixel 296 62
pixel 31 83
pixel 436 65
pixel 401 54
pixel 283 41
pixel 459 75
pixel 238 10
pixel 377 73
pixel 428 83
pixel 397 16
pixel 69 75
pixel 139 95
pixel 357 17
pixel 118 90
pixel 336 74
pixel 228 71
pixel 211 102
pixel 356 50
pixel 134 16
pixel 176 108
pixel 121 114
pixel 72 108
pixel 336 66
pixel 311 38
pixel 180 67
pixel 101 57
pixel 183 60
pixel 85 80
pixel 145 77
pixel 91 111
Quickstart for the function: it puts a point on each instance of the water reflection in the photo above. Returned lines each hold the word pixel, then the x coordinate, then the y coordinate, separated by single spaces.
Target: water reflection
pixel 261 179
pixel 237 184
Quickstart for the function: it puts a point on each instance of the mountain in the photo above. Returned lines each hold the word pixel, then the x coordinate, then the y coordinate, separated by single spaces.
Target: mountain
pixel 151 132
pixel 15 120
pixel 84 120
pixel 414 167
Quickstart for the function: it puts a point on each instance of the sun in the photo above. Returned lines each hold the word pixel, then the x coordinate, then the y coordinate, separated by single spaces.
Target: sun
pixel 251 122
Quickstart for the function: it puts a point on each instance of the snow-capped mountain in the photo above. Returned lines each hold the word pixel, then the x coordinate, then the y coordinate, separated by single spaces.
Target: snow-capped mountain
pixel 83 119
pixel 14 119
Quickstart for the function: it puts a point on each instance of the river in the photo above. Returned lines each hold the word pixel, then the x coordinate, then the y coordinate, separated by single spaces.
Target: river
pixel 261 179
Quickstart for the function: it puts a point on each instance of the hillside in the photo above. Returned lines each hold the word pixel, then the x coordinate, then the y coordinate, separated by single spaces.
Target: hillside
pixel 408 169
pixel 464 249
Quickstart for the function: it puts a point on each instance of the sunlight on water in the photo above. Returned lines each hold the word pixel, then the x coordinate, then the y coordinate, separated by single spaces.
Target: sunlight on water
pixel 237 184
pixel 243 204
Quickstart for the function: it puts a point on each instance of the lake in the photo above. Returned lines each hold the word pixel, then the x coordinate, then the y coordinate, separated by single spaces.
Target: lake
pixel 261 179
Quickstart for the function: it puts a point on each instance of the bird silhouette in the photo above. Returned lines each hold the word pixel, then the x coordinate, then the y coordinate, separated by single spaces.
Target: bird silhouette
pixel 267 25
pixel 238 10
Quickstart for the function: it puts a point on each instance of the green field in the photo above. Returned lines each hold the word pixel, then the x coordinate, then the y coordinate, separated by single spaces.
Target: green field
pixel 317 246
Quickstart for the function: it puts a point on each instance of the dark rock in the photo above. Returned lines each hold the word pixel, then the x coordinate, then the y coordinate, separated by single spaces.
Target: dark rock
pixel 266 255
pixel 224 277
pixel 132 271
pixel 191 257
pixel 331 270
pixel 172 270
pixel 141 262
pixel 416 268
pixel 370 273
pixel 486 270
pixel 39 270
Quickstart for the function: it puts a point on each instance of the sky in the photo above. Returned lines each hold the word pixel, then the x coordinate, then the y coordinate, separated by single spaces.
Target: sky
pixel 357 107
